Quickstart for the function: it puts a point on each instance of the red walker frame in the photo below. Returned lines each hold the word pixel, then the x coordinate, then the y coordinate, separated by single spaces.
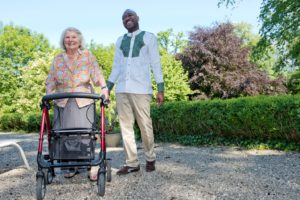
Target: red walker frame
pixel 46 163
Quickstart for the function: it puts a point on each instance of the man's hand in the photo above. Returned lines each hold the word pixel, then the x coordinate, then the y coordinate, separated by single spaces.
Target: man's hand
pixel 160 98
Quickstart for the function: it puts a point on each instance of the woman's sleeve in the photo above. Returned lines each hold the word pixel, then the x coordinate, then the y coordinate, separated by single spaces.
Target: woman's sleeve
pixel 50 81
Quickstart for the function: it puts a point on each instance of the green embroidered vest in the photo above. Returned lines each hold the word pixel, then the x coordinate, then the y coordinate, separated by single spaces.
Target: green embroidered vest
pixel 137 46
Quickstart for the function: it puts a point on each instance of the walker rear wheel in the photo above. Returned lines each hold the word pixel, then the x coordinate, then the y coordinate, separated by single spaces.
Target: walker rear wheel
pixel 108 171
pixel 50 175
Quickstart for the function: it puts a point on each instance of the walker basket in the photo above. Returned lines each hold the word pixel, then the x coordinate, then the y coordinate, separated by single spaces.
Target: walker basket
pixel 72 146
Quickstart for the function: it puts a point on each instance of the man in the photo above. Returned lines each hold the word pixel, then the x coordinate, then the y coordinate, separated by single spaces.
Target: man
pixel 136 54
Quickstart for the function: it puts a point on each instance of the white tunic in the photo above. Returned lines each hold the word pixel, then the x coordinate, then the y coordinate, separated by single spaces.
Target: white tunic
pixel 136 55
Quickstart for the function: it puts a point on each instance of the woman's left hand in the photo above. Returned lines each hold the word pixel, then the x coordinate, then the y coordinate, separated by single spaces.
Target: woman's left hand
pixel 104 92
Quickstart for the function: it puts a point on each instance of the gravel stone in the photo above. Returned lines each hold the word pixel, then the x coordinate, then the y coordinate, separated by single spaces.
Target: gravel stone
pixel 182 173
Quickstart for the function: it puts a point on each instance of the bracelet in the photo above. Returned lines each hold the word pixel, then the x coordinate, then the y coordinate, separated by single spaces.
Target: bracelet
pixel 104 87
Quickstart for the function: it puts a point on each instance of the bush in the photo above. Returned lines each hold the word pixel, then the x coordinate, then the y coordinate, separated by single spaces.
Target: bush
pixel 12 122
pixel 261 117
pixel 294 83
pixel 31 122
pixel 257 122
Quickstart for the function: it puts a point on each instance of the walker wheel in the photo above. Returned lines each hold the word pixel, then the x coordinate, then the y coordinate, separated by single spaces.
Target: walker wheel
pixel 50 175
pixel 40 186
pixel 101 183
pixel 108 171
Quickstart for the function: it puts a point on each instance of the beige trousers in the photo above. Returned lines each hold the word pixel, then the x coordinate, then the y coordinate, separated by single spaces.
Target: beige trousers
pixel 133 107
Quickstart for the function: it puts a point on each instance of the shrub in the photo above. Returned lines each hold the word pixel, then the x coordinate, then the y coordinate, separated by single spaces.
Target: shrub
pixel 11 122
pixel 260 122
pixel 33 122
pixel 260 117
pixel 294 82
pixel 30 122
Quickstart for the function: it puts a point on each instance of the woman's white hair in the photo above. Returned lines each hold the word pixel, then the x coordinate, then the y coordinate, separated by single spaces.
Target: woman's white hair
pixel 78 32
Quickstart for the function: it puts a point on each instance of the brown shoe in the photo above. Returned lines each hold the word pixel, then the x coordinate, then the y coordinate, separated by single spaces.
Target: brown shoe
pixel 150 166
pixel 126 170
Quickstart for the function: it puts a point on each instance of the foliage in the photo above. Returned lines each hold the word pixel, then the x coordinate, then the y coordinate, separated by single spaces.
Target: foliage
pixel 294 82
pixel 257 118
pixel 259 122
pixel 171 42
pixel 11 121
pixel 217 65
pixel 104 56
pixel 280 28
pixel 210 140
pixel 227 2
pixel 27 97
pixel 18 46
pixel 175 79
pixel 29 122
pixel 250 40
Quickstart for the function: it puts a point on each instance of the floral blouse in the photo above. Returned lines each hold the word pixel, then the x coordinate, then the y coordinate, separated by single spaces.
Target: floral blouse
pixel 64 77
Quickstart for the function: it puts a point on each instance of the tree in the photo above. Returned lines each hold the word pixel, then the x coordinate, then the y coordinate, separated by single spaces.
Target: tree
pixel 171 42
pixel 227 2
pixel 217 65
pixel 294 83
pixel 104 56
pixel 280 27
pixel 250 40
pixel 175 79
pixel 28 96
pixel 18 46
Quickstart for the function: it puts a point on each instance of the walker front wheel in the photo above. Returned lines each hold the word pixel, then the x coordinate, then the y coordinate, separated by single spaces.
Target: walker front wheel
pixel 40 186
pixel 101 183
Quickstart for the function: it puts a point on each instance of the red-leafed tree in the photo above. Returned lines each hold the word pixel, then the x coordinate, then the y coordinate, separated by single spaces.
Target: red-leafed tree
pixel 218 65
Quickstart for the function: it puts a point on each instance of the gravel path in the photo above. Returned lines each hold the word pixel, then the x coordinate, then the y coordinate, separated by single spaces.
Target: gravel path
pixel 183 173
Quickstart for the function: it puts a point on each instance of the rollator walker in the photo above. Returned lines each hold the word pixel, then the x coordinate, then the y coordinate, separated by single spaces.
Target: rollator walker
pixel 72 147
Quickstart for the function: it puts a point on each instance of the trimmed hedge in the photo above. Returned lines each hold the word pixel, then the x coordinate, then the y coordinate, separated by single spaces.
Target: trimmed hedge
pixel 260 117
pixel 17 122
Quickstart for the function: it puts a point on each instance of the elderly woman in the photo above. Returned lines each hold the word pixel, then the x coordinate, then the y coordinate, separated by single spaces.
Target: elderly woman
pixel 74 70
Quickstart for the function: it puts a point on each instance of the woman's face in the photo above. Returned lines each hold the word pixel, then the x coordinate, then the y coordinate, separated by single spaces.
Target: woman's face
pixel 71 41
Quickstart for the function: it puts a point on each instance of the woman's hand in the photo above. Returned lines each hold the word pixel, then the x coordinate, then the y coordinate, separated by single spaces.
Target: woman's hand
pixel 104 92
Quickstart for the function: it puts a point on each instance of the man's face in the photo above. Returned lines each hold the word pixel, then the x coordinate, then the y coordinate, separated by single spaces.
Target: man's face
pixel 130 21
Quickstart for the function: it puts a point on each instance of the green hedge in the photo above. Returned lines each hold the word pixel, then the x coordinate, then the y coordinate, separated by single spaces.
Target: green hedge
pixel 29 122
pixel 260 117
